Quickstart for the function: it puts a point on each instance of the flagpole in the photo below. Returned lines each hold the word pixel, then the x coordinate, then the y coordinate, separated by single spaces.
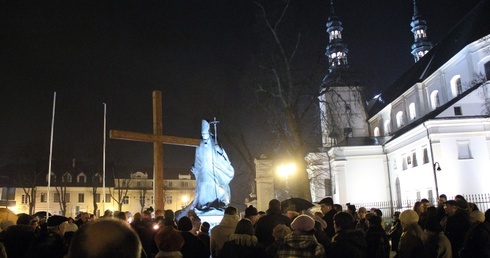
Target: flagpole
pixel 50 155
pixel 103 157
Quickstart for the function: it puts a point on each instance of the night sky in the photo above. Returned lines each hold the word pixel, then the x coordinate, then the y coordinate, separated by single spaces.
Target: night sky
pixel 201 54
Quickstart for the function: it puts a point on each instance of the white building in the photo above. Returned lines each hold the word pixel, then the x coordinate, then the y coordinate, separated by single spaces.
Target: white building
pixel 436 115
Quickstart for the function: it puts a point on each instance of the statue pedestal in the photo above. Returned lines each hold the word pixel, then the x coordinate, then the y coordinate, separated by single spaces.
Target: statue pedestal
pixel 213 220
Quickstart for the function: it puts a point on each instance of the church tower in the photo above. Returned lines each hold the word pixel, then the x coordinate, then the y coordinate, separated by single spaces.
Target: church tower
pixel 336 50
pixel 421 44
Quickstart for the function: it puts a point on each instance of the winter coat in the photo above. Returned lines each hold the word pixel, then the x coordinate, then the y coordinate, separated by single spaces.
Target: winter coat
pixel 300 245
pixel 438 246
pixel 411 242
pixel 394 234
pixel 455 228
pixel 477 242
pixel 193 247
pixel 265 225
pixel 347 243
pixel 175 254
pixel 18 240
pixel 221 233
pixel 328 217
pixel 242 246
pixel 378 244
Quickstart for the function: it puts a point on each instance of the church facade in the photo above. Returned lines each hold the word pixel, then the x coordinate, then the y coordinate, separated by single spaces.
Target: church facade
pixel 427 134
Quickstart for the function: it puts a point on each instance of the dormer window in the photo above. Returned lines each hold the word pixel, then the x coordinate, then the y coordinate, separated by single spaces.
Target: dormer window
pixel 81 178
pixel 456 86
pixel 434 99
pixel 335 34
pixel 412 111
pixel 67 178
pixel 387 127
pixel 399 119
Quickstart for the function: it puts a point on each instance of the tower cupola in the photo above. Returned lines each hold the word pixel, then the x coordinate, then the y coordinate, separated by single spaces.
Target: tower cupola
pixel 336 50
pixel 421 44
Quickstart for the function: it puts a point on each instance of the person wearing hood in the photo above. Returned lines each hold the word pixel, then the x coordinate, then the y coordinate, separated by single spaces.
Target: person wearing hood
pixel 221 232
pixel 347 241
pixel 302 242
pixel 243 243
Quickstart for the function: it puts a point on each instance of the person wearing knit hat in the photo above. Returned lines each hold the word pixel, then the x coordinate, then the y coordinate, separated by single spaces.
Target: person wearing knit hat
pixel 243 242
pixel 302 242
pixel 413 237
pixel 193 247
pixel 169 242
pixel 279 233
pixel 477 242
pixel 252 214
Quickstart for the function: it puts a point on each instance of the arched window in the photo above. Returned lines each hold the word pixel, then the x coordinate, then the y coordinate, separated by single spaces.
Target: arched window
pixel 456 87
pixel 412 111
pixel 376 132
pixel 434 99
pixel 387 127
pixel 399 119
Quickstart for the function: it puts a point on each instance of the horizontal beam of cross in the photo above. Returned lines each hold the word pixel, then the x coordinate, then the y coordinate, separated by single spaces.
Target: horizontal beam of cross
pixel 148 137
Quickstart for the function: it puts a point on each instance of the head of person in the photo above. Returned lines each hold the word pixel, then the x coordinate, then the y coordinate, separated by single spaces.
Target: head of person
pixel 362 212
pixel 326 204
pixel 146 214
pixel 24 219
pixel 105 238
pixel 85 217
pixel 432 227
pixel 351 209
pixel 477 217
pixel 374 221
pixel 425 204
pixel 57 223
pixel 252 214
pixel 185 224
pixel 451 207
pixel 396 215
pixel 281 231
pixel 408 218
pixel 275 204
pixel 122 216
pixel 245 227
pixel 441 200
pixel 168 239
pixel 230 210
pixel 292 212
pixel 343 221
pixel 487 215
pixel 158 213
pixel 417 207
pixel 205 227
pixel 108 213
pixel 303 224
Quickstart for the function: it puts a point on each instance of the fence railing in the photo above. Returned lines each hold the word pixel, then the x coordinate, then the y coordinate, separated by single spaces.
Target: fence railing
pixel 482 201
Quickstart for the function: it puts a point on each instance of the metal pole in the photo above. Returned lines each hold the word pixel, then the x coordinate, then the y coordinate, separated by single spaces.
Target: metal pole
pixel 50 155
pixel 103 157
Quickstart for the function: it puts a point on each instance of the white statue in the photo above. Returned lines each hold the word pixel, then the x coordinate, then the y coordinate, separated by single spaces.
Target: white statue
pixel 213 172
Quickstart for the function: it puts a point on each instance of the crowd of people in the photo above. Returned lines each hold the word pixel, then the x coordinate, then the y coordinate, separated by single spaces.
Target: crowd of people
pixel 453 228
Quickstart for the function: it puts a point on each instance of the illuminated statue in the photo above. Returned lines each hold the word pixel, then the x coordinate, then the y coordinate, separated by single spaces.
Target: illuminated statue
pixel 213 172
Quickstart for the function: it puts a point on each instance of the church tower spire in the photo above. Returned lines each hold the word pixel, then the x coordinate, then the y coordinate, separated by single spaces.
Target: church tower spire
pixel 336 50
pixel 421 44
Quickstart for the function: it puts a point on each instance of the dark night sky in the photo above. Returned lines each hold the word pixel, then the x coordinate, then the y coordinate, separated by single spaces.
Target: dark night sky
pixel 200 54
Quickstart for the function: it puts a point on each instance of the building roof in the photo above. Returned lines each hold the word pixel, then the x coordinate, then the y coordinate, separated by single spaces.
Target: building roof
pixel 472 27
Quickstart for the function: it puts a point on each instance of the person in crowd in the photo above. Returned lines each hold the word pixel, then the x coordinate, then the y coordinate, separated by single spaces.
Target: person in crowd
pixel 143 226
pixel 196 225
pixel 378 245
pixel 455 224
pixel 108 214
pixel 318 216
pixel 68 230
pixel 268 222
pixel 441 212
pixel 292 212
pixel 84 218
pixel 347 242
pixel 252 214
pixel 337 207
pixel 122 216
pixel 203 234
pixel 361 219
pixel 487 215
pixel 395 232
pixel 105 238
pixel 279 233
pixel 302 241
pixel 169 219
pixel 159 216
pixel 18 238
pixel 327 207
pixel 472 207
pixel 243 242
pixel 413 237
pixel 437 245
pixel 351 209
pixel 424 205
pixel 51 244
pixel 222 232
pixel 477 240
pixel 169 242
pixel 193 247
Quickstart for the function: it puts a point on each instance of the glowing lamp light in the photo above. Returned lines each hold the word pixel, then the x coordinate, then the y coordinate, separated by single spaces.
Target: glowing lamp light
pixel 185 198
pixel 13 208
pixel 285 170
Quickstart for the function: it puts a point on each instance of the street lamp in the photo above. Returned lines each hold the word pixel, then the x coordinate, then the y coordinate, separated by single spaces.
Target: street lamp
pixel 185 200
pixel 435 168
pixel 284 171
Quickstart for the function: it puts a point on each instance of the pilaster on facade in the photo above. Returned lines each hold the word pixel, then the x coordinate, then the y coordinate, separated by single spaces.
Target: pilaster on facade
pixel 265 182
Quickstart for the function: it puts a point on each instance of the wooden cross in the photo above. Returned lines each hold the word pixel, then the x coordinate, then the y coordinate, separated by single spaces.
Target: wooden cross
pixel 158 140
